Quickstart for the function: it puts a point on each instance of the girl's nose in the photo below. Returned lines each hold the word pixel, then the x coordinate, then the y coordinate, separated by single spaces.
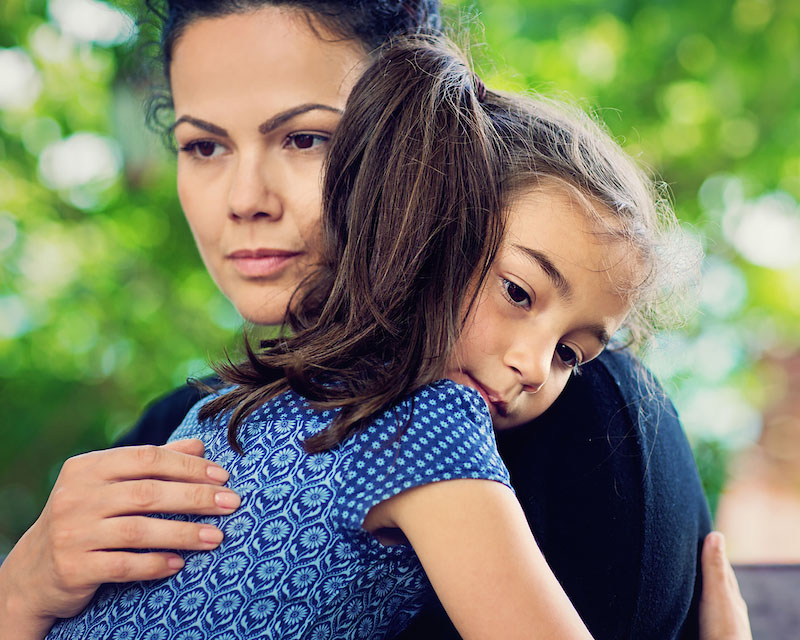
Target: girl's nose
pixel 531 362
pixel 254 192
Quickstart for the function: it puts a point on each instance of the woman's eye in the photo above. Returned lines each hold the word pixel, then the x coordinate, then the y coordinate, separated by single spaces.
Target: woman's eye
pixel 567 355
pixel 203 148
pixel 516 294
pixel 304 141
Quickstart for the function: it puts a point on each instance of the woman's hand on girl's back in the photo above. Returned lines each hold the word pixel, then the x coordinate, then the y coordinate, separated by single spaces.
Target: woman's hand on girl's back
pixel 96 511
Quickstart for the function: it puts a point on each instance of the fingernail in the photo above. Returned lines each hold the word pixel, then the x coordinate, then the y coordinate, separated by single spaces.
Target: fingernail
pixel 227 500
pixel 217 474
pixel 175 562
pixel 211 535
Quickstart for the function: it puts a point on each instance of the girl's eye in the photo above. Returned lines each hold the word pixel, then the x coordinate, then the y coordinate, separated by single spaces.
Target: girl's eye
pixel 516 294
pixel 567 355
pixel 304 141
pixel 203 148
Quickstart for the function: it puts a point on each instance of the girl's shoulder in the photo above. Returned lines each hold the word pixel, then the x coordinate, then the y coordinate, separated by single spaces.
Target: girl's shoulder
pixel 441 432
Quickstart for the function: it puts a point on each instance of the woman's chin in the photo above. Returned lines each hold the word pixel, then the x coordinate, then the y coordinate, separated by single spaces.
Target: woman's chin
pixel 262 315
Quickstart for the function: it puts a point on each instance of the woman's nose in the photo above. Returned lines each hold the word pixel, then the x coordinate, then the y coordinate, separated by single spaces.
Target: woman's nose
pixel 254 192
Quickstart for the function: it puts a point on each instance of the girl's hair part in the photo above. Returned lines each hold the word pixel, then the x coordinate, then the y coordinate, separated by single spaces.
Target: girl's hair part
pixel 412 220
pixel 371 23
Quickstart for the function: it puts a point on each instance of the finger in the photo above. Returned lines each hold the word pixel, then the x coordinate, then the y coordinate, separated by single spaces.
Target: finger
pixel 126 566
pixel 141 532
pixel 190 446
pixel 716 568
pixel 129 463
pixel 158 496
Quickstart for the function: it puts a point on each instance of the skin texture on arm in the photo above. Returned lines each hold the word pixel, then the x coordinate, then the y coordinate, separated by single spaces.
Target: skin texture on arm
pixel 94 511
pixel 479 554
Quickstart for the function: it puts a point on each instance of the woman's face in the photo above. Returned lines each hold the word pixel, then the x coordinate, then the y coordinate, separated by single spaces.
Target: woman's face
pixel 257 96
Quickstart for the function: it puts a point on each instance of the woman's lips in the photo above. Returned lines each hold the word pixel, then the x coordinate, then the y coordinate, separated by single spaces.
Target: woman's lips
pixel 260 263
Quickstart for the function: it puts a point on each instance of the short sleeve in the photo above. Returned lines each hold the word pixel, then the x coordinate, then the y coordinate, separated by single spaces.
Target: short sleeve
pixel 443 432
pixel 191 426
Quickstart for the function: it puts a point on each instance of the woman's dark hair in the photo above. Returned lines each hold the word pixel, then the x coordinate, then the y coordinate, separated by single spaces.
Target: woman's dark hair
pixel 370 23
pixel 412 219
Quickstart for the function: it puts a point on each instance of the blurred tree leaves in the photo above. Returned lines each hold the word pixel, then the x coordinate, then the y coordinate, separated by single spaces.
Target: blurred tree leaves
pixel 104 303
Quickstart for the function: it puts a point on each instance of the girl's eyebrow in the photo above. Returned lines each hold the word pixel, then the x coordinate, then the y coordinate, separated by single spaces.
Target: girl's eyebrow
pixel 551 271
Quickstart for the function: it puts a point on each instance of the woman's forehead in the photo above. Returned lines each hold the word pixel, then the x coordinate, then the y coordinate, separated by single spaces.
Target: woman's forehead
pixel 271 51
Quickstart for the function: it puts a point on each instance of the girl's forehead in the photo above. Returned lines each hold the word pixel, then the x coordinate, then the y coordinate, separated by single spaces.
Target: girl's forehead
pixel 575 232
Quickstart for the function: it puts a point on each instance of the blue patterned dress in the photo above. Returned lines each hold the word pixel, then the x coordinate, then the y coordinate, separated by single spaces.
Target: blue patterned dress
pixel 295 562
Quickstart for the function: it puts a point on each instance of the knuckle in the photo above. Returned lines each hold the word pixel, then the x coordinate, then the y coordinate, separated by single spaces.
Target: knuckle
pixel 61 540
pixel 193 466
pixel 72 465
pixel 144 494
pixel 62 503
pixel 131 532
pixel 199 496
pixel 148 455
pixel 64 570
pixel 119 568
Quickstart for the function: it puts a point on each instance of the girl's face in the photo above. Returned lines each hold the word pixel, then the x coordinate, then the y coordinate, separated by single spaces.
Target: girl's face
pixel 550 302
pixel 257 96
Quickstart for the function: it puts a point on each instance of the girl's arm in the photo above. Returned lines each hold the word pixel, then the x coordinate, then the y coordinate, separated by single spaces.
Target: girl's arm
pixel 94 510
pixel 476 547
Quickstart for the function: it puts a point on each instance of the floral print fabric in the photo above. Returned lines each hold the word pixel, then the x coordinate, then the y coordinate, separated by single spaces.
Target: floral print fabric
pixel 295 562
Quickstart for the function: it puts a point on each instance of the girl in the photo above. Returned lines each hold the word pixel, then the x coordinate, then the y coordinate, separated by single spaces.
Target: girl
pixel 475 250
pixel 617 510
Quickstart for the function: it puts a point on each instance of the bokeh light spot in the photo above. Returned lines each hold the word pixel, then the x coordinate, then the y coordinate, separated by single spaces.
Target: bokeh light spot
pixel 78 160
pixel 92 21
pixel 20 82
pixel 14 317
pixel 8 230
pixel 766 231
pixel 738 137
pixel 724 288
pixel 696 53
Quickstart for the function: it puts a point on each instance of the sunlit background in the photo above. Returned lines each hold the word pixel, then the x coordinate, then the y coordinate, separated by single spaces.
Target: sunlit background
pixel 104 303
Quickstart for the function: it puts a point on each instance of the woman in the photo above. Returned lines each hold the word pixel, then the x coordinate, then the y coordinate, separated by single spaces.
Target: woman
pixel 257 88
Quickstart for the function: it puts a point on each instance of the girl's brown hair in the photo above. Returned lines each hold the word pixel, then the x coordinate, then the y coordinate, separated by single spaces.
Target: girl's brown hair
pixel 412 219
pixel 419 174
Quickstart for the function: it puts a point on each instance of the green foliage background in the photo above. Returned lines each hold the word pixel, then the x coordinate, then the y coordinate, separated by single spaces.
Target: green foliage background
pixel 104 303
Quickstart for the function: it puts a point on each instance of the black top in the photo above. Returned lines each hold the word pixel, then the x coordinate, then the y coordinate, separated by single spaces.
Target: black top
pixel 609 486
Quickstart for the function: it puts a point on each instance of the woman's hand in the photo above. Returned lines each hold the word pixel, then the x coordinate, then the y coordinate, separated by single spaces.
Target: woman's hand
pixel 95 511
pixel 723 612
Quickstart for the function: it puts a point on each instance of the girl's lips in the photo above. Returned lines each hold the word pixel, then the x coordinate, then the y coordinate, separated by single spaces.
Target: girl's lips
pixel 492 398
pixel 260 263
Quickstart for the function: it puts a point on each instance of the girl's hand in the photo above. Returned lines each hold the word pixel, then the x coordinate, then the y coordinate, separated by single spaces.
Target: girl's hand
pixel 723 612
pixel 95 511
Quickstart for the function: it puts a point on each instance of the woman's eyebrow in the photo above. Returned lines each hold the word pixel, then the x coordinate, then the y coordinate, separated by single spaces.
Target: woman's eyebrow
pixel 284 116
pixel 551 271
pixel 200 124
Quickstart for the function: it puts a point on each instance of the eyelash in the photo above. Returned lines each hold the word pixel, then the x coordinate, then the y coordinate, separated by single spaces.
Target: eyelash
pixel 507 286
pixel 291 140
pixel 520 304
pixel 293 137
pixel 574 357
pixel 191 149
